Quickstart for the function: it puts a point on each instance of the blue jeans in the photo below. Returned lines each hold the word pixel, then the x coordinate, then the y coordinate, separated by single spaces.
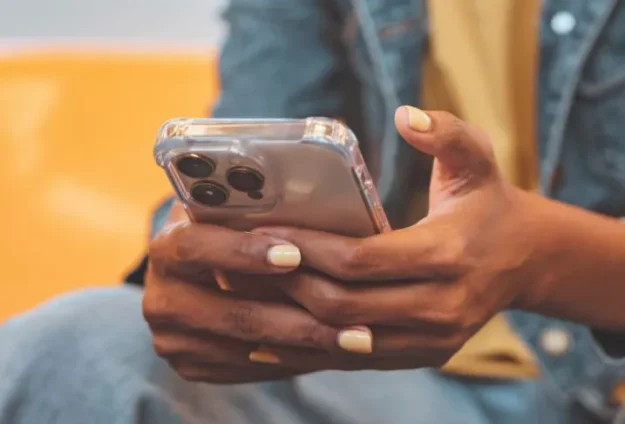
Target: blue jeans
pixel 87 358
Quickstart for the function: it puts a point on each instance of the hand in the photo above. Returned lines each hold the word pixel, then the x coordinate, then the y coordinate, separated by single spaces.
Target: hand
pixel 425 290
pixel 204 333
pixel 210 335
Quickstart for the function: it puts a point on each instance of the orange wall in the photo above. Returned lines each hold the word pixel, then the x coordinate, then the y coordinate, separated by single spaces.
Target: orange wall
pixel 77 180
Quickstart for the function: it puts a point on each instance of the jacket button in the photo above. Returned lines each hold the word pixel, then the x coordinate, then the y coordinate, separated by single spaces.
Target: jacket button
pixel 563 23
pixel 618 394
pixel 555 341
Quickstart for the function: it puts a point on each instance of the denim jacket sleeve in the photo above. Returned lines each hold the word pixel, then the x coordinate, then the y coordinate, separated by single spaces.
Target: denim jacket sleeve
pixel 278 61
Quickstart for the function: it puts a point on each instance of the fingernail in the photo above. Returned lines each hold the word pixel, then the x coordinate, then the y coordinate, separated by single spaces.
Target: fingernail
pixel 263 357
pixel 222 280
pixel 418 120
pixel 284 256
pixel 356 340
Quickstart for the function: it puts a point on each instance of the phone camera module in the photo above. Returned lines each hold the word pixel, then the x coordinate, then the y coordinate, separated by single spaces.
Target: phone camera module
pixel 243 178
pixel 195 166
pixel 209 193
pixel 255 195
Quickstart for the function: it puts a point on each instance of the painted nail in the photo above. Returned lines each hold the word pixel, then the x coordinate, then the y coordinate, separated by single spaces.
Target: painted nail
pixel 284 256
pixel 263 357
pixel 418 120
pixel 222 280
pixel 356 340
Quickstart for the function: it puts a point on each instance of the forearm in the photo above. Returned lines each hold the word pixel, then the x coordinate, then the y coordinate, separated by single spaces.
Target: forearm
pixel 578 265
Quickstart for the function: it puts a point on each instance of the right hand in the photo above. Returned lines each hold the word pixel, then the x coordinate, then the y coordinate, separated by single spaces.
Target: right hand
pixel 207 334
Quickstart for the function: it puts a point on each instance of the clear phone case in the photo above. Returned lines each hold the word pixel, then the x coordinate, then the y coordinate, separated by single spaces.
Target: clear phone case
pixel 246 173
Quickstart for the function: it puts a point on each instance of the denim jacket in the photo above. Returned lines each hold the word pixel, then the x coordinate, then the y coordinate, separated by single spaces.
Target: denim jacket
pixel 360 59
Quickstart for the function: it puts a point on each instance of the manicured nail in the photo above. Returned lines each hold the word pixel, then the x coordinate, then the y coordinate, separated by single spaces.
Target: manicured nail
pixel 263 357
pixel 356 340
pixel 222 280
pixel 418 120
pixel 284 256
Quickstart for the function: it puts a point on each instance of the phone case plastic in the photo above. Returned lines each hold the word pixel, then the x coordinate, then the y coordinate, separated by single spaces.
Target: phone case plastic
pixel 309 152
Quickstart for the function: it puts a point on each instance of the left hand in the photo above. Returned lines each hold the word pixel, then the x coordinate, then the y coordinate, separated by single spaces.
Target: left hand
pixel 423 291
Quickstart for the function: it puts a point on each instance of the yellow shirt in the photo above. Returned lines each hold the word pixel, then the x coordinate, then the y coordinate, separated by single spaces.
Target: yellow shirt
pixel 481 65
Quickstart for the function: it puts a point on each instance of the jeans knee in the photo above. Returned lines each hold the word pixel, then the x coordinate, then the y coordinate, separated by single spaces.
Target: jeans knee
pixel 84 356
pixel 73 324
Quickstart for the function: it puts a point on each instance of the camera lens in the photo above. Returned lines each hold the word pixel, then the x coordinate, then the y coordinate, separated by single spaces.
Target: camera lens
pixel 255 195
pixel 245 179
pixel 195 166
pixel 209 193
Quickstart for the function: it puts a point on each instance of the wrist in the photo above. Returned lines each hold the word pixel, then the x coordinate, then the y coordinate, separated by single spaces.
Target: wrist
pixel 537 246
pixel 575 264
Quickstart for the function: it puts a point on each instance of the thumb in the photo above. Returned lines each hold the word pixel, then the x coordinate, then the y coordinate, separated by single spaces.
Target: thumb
pixel 462 149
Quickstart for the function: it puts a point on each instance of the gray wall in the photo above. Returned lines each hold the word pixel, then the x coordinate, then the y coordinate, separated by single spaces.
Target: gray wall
pixel 174 22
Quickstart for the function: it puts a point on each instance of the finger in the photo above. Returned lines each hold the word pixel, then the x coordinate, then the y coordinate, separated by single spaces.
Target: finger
pixel 317 360
pixel 433 351
pixel 259 287
pixel 174 304
pixel 430 307
pixel 177 346
pixel 189 247
pixel 230 374
pixel 393 349
pixel 421 251
pixel 459 146
pixel 181 349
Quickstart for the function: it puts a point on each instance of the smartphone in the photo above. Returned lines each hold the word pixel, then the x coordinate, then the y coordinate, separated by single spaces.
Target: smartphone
pixel 247 173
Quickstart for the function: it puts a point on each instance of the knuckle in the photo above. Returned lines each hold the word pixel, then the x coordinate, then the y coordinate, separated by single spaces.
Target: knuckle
pixel 455 133
pixel 150 305
pixel 454 312
pixel 153 305
pixel 331 312
pixel 185 249
pixel 315 334
pixel 175 349
pixel 352 262
pixel 247 246
pixel 331 304
pixel 158 255
pixel 159 309
pixel 173 246
pixel 244 320
pixel 161 346
pixel 156 269
pixel 457 126
pixel 450 318
pixel 451 253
